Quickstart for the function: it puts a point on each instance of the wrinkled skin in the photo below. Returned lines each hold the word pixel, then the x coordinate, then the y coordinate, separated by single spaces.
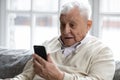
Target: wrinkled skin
pixel 73 27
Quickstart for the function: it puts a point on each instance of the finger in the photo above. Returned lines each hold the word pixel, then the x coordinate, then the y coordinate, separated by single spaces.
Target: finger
pixel 39 59
pixel 38 68
pixel 49 58
pixel 36 64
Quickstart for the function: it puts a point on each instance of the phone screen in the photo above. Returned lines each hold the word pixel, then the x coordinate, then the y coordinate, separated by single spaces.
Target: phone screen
pixel 41 51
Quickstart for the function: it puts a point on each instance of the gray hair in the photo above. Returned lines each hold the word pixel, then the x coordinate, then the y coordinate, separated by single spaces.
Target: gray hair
pixel 84 8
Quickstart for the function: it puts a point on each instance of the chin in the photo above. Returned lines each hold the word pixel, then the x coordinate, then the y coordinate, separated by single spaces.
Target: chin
pixel 69 44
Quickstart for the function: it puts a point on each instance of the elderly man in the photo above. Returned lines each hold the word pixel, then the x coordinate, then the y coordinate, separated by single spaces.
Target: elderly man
pixel 74 55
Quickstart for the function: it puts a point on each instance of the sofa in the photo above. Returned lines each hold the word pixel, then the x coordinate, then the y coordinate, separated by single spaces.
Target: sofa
pixel 12 62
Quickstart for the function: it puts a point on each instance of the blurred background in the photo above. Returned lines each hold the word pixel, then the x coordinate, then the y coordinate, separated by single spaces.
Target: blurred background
pixel 24 23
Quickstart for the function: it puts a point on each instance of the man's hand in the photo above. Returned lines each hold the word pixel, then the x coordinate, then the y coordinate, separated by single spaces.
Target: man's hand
pixel 46 69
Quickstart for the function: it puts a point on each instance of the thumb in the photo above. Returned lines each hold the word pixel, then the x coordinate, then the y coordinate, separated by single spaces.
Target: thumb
pixel 49 58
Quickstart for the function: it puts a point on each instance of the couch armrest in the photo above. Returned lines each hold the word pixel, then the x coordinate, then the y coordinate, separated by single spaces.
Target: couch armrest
pixel 12 62
pixel 117 71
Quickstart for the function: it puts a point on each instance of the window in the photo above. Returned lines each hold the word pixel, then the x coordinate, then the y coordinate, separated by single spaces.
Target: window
pixel 31 22
pixel 110 24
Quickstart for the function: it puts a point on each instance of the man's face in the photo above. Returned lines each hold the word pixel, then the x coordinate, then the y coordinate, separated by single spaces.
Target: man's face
pixel 73 27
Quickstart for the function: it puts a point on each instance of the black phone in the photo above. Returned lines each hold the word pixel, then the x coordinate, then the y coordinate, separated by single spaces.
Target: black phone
pixel 41 51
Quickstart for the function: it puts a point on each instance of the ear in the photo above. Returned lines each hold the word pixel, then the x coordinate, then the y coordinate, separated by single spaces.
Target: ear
pixel 89 24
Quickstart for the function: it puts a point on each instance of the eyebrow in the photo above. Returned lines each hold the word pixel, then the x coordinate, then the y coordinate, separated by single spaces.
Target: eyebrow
pixel 71 21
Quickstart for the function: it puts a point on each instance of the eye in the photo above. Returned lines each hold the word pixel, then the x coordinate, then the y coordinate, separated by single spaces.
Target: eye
pixel 62 25
pixel 71 25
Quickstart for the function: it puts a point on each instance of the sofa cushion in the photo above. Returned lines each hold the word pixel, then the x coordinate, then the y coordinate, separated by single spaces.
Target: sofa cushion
pixel 117 71
pixel 12 61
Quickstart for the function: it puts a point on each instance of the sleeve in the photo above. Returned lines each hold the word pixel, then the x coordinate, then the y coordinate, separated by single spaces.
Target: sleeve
pixel 102 68
pixel 27 74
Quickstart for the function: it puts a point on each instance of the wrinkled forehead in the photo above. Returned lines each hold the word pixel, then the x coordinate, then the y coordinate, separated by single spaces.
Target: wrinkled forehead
pixel 74 12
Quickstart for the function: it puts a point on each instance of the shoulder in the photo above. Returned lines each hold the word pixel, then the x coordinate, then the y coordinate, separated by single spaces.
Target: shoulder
pixel 52 41
pixel 95 46
pixel 96 43
pixel 52 45
pixel 98 47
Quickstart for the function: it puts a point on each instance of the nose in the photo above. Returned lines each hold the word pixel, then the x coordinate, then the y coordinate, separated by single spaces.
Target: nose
pixel 67 29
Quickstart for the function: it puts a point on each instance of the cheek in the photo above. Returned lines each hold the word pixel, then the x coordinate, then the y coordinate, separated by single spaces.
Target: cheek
pixel 79 35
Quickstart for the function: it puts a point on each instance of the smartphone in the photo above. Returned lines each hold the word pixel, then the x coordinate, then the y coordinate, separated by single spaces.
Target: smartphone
pixel 41 51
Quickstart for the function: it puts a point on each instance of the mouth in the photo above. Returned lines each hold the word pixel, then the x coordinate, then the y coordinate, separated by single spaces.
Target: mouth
pixel 68 38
